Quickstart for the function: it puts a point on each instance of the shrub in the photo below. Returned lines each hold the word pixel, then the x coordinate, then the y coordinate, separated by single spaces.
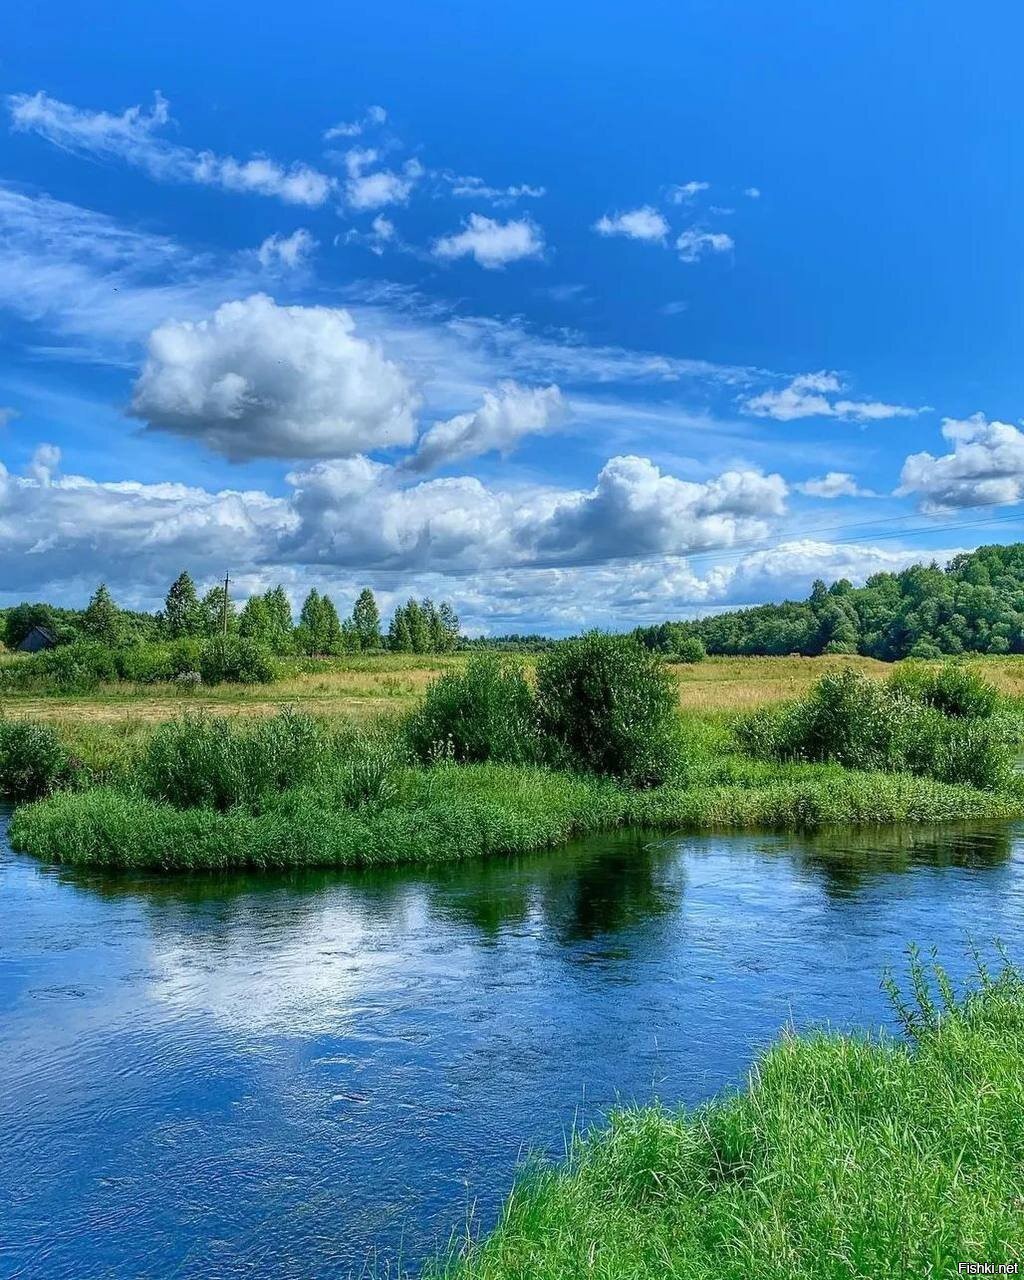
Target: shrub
pixel 485 712
pixel 235 659
pixel 33 760
pixel 689 649
pixel 151 663
pixel 72 668
pixel 861 724
pixel 607 705
pixel 953 688
pixel 216 763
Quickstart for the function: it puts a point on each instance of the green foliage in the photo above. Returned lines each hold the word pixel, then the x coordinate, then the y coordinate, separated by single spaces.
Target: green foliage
pixel 217 613
pixel 102 619
pixel 423 627
pixel 675 641
pixel 845 1156
pixel 607 705
pixel 863 724
pixel 974 605
pixel 236 660
pixel 73 668
pixel 953 688
pixel 485 712
pixel 33 760
pixel 366 621
pixel 19 620
pixel 182 613
pixel 217 763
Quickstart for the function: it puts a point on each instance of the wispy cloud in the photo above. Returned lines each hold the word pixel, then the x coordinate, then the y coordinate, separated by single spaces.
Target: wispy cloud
pixel 134 137
pixel 694 244
pixel 815 395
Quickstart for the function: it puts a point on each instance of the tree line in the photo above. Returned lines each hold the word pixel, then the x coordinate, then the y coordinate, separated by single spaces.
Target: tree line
pixel 418 626
pixel 975 604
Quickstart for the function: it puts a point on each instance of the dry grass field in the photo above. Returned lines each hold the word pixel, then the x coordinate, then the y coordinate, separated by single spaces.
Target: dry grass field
pixel 362 688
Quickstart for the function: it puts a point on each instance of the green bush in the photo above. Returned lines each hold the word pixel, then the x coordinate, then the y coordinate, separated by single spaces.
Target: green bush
pixel 862 724
pixel 689 649
pixel 237 660
pixel 72 668
pixel 953 689
pixel 607 705
pixel 151 663
pixel 485 712
pixel 211 762
pixel 33 760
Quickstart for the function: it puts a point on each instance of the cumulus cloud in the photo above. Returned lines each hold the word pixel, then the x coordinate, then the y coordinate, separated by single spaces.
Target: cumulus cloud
pixel 369 187
pixel 685 192
pixel 812 395
pixel 692 244
pixel 359 512
pixel 645 223
pixel 492 244
pixel 258 380
pixel 372 118
pixel 133 136
pixel 834 484
pixel 505 418
pixel 286 251
pixel 986 465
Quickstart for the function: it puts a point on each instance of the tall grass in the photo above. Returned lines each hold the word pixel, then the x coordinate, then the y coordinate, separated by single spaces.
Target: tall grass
pixel 845 1156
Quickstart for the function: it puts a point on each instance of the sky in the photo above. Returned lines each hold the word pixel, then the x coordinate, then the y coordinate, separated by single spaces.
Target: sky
pixel 571 315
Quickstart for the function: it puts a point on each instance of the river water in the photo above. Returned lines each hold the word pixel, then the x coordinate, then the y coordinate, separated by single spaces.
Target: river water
pixel 325 1073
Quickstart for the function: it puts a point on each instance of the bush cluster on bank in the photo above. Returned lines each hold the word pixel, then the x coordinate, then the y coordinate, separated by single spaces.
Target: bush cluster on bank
pixel 603 704
pixel 845 1156
pixel 935 724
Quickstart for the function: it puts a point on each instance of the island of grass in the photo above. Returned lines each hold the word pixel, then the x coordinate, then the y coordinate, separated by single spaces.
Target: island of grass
pixel 494 763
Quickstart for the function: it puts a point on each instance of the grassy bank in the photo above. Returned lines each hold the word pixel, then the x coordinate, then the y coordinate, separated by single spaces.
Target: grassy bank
pixel 844 1157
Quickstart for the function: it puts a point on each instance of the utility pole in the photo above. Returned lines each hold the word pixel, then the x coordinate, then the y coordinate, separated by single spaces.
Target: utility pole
pixel 224 608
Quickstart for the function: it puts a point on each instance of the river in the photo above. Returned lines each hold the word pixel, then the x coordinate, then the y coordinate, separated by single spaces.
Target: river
pixel 319 1074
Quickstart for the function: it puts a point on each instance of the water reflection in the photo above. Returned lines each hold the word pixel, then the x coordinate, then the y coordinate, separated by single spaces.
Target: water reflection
pixel 305 1068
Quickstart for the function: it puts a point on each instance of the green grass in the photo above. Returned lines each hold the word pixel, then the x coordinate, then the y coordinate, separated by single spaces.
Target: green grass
pixel 844 1157
pixel 453 812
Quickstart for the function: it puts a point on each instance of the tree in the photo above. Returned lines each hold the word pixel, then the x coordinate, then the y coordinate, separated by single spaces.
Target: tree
pixel 182 614
pixel 310 624
pixel 450 627
pixel 331 640
pixel 366 620
pixel 279 615
pixel 419 627
pixel 399 634
pixel 215 606
pixel 102 618
pixel 254 621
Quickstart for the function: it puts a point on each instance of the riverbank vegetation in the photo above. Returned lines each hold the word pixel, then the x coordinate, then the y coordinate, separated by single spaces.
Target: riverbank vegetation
pixel 495 763
pixel 844 1156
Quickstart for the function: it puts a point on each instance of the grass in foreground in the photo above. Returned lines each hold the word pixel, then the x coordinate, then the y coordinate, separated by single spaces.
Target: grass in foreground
pixel 844 1157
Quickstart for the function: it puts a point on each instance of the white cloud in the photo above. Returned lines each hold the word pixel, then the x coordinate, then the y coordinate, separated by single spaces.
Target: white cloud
pixel 492 244
pixel 286 251
pixel 379 187
pixel 809 396
pixel 372 118
pixel 469 188
pixel 504 419
pixel 133 137
pixel 644 223
pixel 7 415
pixel 686 191
pixel 259 380
pixel 675 308
pixel 834 484
pixel 753 193
pixel 985 466
pixel 693 245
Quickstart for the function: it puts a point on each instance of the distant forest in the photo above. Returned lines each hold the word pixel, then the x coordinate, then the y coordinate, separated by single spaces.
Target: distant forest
pixel 974 605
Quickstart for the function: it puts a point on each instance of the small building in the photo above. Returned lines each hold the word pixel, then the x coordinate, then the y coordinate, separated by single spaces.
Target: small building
pixel 38 638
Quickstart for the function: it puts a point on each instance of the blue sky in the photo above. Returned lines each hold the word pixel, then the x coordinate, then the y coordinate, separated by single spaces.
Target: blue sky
pixel 571 315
